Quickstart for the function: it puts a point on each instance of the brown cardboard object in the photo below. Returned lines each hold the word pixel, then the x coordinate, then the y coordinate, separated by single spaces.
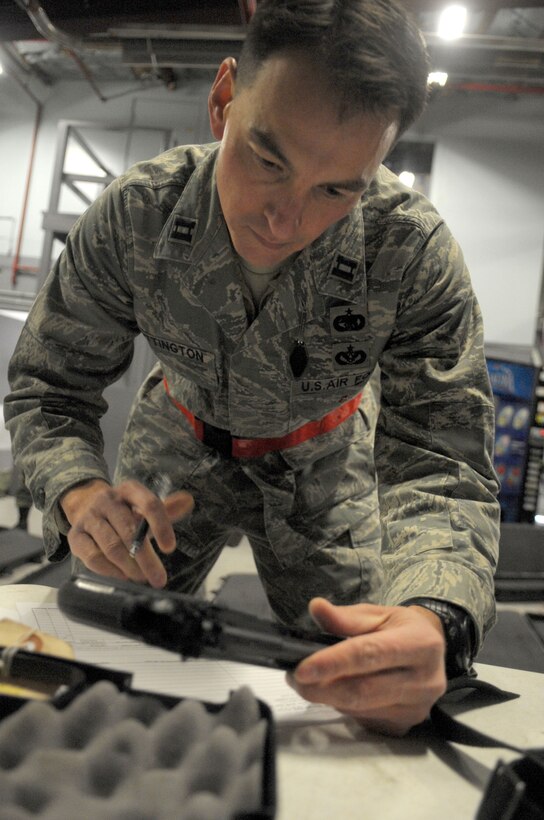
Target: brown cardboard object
pixel 13 633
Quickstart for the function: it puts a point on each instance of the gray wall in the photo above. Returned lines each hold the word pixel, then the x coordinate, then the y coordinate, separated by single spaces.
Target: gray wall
pixel 488 182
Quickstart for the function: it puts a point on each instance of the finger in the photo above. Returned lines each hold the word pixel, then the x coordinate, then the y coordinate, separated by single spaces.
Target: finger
pixel 347 620
pixel 389 702
pixel 346 696
pixel 84 547
pixel 394 725
pixel 159 514
pixel 111 541
pixel 151 565
pixel 178 505
pixel 360 655
pixel 362 695
pixel 412 643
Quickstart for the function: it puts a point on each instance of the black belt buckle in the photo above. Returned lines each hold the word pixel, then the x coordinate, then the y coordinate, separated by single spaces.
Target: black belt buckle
pixel 217 438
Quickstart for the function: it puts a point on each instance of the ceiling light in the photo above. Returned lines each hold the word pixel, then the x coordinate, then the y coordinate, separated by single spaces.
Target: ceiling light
pixel 452 22
pixel 407 178
pixel 437 78
pixel 1 68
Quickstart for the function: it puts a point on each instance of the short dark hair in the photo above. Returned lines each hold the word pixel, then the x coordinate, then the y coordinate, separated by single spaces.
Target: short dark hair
pixel 373 52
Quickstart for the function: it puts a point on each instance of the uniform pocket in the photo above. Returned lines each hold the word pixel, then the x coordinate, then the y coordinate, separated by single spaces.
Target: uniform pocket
pixel 423 533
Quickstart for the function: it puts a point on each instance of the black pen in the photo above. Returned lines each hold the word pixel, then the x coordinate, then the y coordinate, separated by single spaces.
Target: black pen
pixel 161 486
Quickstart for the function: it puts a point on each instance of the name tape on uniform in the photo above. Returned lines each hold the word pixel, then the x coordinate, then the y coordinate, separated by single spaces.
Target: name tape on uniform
pixel 194 354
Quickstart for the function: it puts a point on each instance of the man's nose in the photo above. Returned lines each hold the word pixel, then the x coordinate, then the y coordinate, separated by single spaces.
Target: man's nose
pixel 284 217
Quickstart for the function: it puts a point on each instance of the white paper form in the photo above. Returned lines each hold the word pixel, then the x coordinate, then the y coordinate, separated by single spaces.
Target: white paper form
pixel 162 672
pixel 12 614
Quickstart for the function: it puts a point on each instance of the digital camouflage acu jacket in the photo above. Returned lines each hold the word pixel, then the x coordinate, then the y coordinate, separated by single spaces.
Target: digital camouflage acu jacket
pixel 386 286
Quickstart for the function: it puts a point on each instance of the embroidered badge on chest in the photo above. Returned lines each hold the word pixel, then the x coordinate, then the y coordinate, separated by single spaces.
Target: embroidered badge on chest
pixel 183 230
pixel 347 321
pixel 349 355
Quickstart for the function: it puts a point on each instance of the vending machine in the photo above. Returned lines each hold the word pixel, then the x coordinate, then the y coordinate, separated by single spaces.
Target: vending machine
pixel 517 380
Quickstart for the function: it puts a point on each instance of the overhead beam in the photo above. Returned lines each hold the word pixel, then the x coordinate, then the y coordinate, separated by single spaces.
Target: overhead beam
pixel 473 5
pixel 487 42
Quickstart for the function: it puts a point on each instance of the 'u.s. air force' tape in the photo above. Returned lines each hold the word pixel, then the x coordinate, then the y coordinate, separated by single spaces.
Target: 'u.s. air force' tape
pixel 308 387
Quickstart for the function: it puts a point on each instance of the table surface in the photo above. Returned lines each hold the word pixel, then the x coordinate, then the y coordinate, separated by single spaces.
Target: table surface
pixel 334 768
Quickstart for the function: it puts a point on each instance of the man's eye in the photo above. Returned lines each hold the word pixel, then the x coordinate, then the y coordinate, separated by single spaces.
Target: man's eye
pixel 268 164
pixel 333 193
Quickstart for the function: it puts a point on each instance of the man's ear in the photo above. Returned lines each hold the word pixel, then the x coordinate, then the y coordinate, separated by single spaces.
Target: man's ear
pixel 221 95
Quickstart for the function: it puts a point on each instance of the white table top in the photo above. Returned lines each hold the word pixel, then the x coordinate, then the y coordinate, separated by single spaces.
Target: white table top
pixel 337 770
pixel 334 769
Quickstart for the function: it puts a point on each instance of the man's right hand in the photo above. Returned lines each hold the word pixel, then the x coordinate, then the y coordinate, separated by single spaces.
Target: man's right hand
pixel 104 520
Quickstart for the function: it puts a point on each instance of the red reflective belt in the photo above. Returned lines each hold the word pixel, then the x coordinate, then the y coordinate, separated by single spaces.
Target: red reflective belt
pixel 255 447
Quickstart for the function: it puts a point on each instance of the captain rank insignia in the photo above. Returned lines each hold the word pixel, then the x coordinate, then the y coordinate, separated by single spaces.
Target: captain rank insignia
pixel 183 230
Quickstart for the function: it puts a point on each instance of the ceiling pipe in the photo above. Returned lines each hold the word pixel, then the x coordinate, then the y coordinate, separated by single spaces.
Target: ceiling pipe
pixel 16 267
pixel 486 42
pixel 497 88
pixel 417 6
pixel 45 27
pixel 86 73
pixel 71 45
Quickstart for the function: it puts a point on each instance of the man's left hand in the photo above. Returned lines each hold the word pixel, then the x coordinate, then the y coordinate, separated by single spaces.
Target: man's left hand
pixel 389 671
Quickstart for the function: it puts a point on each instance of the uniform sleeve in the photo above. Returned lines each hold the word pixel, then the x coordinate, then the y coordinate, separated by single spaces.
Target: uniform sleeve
pixel 434 443
pixel 77 340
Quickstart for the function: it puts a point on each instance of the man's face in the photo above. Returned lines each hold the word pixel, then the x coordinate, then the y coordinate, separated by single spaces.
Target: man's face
pixel 288 168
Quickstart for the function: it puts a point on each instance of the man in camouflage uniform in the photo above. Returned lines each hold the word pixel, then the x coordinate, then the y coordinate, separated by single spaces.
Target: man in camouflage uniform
pixel 290 287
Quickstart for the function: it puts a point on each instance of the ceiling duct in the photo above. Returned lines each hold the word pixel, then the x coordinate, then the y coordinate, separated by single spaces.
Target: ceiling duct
pixel 178 53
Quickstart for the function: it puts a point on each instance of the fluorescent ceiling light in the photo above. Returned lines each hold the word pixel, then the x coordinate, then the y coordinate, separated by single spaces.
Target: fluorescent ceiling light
pixel 408 178
pixel 452 22
pixel 437 78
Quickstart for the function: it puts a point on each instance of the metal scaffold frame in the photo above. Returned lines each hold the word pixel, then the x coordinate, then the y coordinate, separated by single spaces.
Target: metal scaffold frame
pixel 56 223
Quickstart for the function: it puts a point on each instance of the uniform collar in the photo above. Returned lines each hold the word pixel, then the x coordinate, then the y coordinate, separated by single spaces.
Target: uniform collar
pixel 195 230
pixel 337 258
